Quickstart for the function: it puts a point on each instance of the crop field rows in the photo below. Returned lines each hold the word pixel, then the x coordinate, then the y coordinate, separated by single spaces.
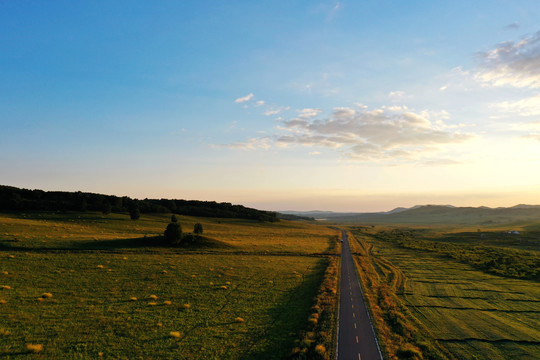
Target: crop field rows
pixel 469 312
pixel 128 301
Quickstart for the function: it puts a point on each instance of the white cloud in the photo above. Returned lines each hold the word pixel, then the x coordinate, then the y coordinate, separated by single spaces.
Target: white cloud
pixel 368 135
pixel 396 95
pixel 528 130
pixel 514 64
pixel 532 136
pixel 525 107
pixel 361 106
pixel 308 113
pixel 343 112
pixel 251 144
pixel 259 103
pixel 244 98
pixel 276 110
pixel 272 112
pixel 396 108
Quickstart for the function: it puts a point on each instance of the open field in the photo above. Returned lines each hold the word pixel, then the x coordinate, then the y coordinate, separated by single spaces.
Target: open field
pixel 80 230
pixel 465 312
pixel 247 298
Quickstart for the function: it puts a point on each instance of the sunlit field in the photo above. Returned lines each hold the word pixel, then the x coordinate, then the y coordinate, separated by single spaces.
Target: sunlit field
pixel 79 286
pixel 76 230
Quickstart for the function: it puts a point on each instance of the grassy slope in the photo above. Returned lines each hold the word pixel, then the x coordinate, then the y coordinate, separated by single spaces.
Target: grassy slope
pixel 470 313
pixel 76 231
pixel 90 311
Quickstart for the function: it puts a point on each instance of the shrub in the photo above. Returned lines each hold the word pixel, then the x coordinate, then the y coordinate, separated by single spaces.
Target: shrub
pixel 173 233
pixel 409 352
pixel 198 229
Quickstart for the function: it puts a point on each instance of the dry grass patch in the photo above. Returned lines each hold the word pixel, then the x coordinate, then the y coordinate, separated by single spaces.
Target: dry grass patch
pixel 320 333
pixel 35 348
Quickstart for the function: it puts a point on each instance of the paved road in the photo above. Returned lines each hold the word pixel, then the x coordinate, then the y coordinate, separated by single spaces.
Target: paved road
pixel 356 338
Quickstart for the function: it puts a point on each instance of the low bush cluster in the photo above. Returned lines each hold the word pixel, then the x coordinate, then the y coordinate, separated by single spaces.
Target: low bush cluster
pixel 317 341
pixel 175 237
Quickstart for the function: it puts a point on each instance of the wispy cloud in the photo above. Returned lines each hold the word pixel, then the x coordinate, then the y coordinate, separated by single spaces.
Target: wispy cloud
pixel 525 107
pixel 334 11
pixel 532 136
pixel 512 64
pixel 396 95
pixel 275 110
pixel 244 98
pixel 251 144
pixel 308 113
pixel 512 26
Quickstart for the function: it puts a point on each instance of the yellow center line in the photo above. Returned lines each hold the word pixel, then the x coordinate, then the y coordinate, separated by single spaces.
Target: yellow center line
pixel 359 357
pixel 355 325
pixel 357 339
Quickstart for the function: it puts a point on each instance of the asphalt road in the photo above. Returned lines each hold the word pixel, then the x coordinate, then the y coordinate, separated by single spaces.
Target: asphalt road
pixel 356 337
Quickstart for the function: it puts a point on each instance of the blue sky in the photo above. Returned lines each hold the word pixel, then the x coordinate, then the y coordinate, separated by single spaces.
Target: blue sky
pixel 334 105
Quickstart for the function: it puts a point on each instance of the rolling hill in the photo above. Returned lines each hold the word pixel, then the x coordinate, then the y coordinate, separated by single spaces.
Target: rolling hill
pixel 436 214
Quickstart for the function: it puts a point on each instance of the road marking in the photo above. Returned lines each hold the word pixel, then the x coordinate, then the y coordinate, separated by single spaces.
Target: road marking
pixel 359 357
pixel 357 339
pixel 355 325
pixel 353 315
pixel 352 306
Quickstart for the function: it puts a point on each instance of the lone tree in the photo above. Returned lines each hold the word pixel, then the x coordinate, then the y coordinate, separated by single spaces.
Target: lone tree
pixel 197 229
pixel 173 233
pixel 174 219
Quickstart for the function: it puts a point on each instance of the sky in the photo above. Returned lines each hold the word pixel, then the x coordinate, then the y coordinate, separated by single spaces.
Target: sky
pixel 279 105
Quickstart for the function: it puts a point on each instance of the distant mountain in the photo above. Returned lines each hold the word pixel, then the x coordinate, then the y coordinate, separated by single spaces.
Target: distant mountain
pixel 523 206
pixel 317 214
pixel 437 214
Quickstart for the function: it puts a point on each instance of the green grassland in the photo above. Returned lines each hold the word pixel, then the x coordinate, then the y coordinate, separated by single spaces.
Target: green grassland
pixel 463 311
pixel 87 230
pixel 116 295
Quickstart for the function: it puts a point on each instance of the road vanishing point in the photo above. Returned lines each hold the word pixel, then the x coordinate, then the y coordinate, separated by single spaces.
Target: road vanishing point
pixel 356 337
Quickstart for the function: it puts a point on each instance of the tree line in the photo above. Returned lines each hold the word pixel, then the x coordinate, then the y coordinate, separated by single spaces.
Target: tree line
pixel 13 199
